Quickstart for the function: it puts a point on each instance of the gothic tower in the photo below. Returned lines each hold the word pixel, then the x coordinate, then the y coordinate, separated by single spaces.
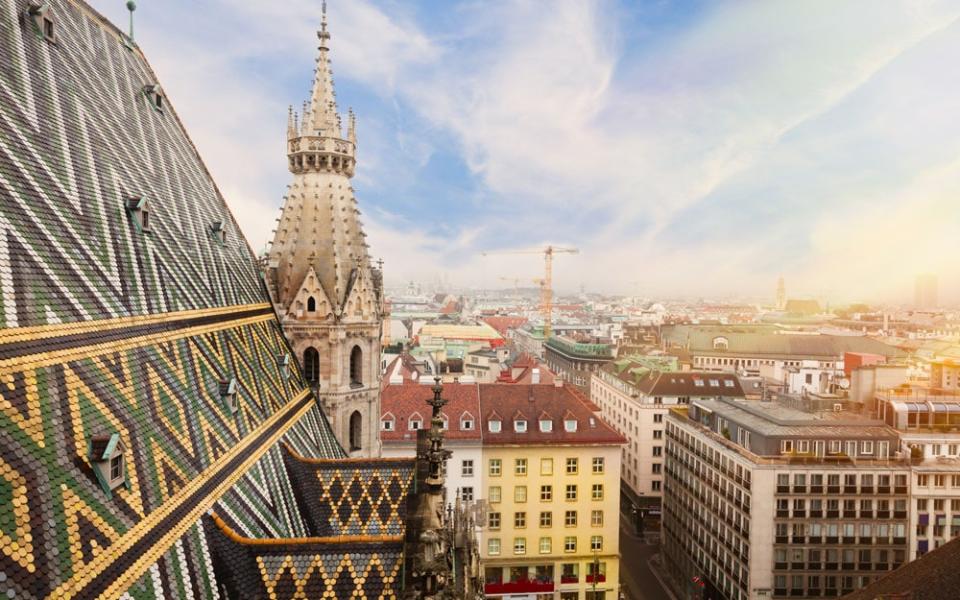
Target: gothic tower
pixel 327 293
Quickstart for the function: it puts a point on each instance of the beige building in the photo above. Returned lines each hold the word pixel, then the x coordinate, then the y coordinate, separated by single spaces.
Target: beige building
pixel 328 295
pixel 552 475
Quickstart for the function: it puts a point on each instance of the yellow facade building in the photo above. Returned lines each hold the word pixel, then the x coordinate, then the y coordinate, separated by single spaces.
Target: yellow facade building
pixel 551 470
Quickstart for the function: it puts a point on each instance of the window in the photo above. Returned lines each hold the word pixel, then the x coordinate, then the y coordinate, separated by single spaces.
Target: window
pixel 655 486
pixel 546 466
pixel 520 426
pixel 571 493
pixel 414 423
pixel 356 430
pixel 493 520
pixel 519 545
pixel 493 546
pixel 494 425
pixel 311 365
pixel 596 518
pixel 466 424
pixel 786 445
pixel 466 468
pixel 228 393
pixel 658 450
pixel 656 468
pixel 154 95
pixel 572 466
pixel 546 545
pixel 546 519
pixel 658 434
pixel 520 519
pixel 218 231
pixel 494 494
pixel 570 518
pixel 598 464
pixel 139 212
pixel 356 367
pixel 466 494
pixel 658 418
pixel 116 468
pixel 546 425
pixel 42 20
pixel 570 425
pixel 597 491
pixel 311 304
pixel 546 493
pixel 596 543
pixel 386 425
pixel 495 466
pixel 570 543
pixel 520 493
pixel 520 466
pixel 866 447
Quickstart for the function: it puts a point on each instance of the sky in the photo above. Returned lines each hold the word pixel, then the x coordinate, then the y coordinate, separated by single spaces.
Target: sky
pixel 697 149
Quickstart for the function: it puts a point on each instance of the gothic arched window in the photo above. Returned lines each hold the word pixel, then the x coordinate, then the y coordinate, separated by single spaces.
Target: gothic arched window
pixel 356 367
pixel 311 364
pixel 311 304
pixel 356 430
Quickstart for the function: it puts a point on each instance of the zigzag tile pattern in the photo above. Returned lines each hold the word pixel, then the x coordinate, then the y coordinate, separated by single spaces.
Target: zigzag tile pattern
pixel 352 497
pixel 106 329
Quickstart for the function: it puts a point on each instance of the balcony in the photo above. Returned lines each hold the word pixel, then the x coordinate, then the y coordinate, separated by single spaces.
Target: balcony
pixel 601 578
pixel 564 579
pixel 529 586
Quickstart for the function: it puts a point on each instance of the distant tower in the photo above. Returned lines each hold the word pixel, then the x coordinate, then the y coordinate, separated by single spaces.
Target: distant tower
pixel 925 292
pixel 319 274
pixel 781 294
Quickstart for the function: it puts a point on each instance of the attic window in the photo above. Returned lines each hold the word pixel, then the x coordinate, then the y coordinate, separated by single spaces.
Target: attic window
pixel 219 232
pixel 546 425
pixel 154 95
pixel 106 453
pixel 466 423
pixel 138 211
pixel 228 393
pixel 386 424
pixel 494 425
pixel 520 426
pixel 698 382
pixel 570 425
pixel 41 17
pixel 283 362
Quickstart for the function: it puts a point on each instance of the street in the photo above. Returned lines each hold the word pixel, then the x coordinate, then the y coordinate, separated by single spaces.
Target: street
pixel 639 582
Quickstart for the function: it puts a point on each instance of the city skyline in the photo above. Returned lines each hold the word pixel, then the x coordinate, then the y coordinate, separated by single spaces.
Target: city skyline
pixel 691 134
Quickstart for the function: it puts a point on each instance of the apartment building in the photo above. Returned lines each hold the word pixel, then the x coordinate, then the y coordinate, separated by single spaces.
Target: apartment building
pixel 762 500
pixel 403 412
pixel 552 474
pixel 634 399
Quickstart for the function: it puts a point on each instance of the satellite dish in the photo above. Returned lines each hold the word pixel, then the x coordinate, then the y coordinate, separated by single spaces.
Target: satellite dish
pixel 844 383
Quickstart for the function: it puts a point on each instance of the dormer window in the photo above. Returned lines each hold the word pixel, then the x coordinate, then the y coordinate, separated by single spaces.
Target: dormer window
pixel 698 382
pixel 494 425
pixel 386 424
pixel 283 363
pixel 228 393
pixel 520 426
pixel 106 453
pixel 546 425
pixel 154 95
pixel 41 17
pixel 218 231
pixel 466 423
pixel 714 383
pixel 415 422
pixel 138 211
pixel 570 425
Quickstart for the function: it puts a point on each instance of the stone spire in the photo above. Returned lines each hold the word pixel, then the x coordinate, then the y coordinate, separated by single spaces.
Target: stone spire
pixel 320 229
pixel 323 119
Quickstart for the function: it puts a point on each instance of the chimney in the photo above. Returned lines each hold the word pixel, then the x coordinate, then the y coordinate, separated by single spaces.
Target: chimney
pixel 535 378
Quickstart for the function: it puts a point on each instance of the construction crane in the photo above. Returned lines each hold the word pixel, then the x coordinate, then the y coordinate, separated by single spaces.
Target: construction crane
pixel 546 284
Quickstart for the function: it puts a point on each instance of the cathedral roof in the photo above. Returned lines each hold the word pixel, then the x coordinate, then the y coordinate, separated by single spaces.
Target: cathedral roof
pixel 146 378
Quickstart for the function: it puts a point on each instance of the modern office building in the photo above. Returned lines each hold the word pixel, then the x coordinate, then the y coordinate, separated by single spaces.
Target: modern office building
pixel 762 500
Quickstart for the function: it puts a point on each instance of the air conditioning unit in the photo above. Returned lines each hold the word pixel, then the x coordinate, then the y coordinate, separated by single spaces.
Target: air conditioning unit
pixel 837 407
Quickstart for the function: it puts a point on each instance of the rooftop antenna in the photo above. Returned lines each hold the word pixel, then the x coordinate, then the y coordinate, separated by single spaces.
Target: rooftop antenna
pixel 131 6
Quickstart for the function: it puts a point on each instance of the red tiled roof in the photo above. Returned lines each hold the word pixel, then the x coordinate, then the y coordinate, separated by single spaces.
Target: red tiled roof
pixel 534 399
pixel 504 323
pixel 403 400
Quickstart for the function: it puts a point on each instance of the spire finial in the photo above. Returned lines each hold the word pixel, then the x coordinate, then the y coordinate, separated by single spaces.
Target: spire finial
pixel 323 34
pixel 131 6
